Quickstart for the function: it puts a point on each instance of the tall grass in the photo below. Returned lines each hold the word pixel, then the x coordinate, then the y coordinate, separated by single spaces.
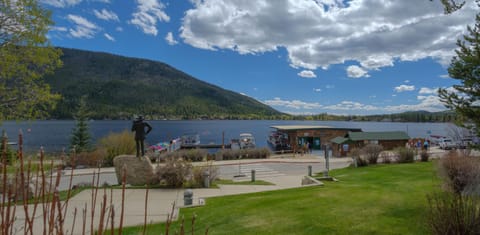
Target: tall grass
pixel 116 144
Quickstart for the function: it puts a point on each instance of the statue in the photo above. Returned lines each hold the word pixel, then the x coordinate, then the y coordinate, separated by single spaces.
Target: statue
pixel 140 133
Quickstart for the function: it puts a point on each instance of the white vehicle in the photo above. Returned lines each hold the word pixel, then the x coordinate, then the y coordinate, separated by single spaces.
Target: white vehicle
pixel 465 143
pixel 447 143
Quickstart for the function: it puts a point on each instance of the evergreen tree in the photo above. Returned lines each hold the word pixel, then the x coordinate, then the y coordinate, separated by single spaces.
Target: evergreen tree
pixel 465 67
pixel 80 139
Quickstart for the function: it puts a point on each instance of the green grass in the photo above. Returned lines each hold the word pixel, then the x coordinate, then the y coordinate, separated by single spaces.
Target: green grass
pixel 381 199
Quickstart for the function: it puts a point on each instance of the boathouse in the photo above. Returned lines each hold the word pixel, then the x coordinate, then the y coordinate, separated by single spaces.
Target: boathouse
pixel 300 136
pixel 341 145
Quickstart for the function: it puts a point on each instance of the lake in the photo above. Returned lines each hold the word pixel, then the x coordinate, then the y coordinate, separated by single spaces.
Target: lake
pixel 55 135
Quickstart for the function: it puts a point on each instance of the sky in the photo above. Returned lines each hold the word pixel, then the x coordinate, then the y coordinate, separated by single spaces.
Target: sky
pixel 343 57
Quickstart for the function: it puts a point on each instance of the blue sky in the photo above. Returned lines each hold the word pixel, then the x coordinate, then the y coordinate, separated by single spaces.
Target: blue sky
pixel 298 56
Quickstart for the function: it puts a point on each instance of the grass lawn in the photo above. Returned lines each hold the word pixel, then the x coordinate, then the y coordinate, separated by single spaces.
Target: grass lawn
pixel 383 199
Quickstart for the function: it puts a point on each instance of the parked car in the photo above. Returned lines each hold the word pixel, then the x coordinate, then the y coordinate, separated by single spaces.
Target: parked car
pixel 447 143
pixel 465 143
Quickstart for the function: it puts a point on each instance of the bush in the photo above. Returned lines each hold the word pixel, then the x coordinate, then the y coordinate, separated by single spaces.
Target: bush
pixel 405 155
pixel 174 173
pixel 461 174
pixel 198 175
pixel 424 156
pixel 358 159
pixel 388 157
pixel 192 155
pixel 372 152
pixel 451 213
pixel 116 144
pixel 233 154
pixel 92 159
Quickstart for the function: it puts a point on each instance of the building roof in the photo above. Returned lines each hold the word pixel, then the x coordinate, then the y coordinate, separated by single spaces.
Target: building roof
pixel 311 127
pixel 339 140
pixel 387 135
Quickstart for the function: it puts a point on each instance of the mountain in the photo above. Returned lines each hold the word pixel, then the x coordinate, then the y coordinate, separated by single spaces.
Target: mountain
pixel 118 87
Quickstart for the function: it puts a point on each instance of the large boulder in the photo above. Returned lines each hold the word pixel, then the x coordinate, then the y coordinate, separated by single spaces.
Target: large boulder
pixel 138 170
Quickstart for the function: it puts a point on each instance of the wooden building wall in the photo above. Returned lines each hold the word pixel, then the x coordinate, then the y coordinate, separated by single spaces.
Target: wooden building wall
pixel 325 136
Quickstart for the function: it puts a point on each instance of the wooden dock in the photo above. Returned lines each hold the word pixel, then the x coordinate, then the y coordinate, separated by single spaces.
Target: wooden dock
pixel 206 146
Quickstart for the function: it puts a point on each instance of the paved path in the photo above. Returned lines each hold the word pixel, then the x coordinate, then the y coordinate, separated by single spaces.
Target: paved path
pixel 283 172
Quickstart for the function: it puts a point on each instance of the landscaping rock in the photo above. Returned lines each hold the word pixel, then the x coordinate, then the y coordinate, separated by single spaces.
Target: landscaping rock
pixel 138 170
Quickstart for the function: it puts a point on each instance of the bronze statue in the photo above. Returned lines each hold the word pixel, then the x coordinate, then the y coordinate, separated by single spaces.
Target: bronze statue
pixel 140 133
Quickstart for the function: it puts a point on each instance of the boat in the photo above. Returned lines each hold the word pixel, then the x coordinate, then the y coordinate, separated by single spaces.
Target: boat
pixel 190 140
pixel 235 144
pixel 247 141
pixel 278 141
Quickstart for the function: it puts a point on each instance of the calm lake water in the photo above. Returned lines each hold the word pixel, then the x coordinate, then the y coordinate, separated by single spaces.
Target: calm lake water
pixel 55 135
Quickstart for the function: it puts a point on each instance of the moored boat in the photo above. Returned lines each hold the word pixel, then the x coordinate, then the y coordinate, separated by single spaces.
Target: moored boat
pixel 247 141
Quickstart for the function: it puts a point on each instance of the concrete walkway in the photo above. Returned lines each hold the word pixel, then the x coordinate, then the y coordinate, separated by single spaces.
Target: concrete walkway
pixel 160 201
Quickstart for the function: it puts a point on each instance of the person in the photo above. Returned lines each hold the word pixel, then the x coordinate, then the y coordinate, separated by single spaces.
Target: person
pixel 139 127
pixel 425 145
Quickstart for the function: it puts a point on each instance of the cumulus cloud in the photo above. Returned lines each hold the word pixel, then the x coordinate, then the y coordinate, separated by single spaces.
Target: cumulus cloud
pixel 82 27
pixel 105 14
pixel 403 88
pixel 426 90
pixel 429 103
pixel 351 105
pixel 320 33
pixel 293 104
pixel 148 13
pixel 170 40
pixel 109 37
pixel 61 3
pixel 355 71
pixel 307 74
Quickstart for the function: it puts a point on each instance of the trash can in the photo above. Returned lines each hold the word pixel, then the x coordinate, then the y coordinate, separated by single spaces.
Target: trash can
pixel 188 197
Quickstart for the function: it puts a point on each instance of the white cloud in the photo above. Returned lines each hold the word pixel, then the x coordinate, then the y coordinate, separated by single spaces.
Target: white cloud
pixel 446 76
pixel 170 40
pixel 293 104
pixel 105 14
pixel 59 29
pixel 429 103
pixel 426 90
pixel 61 3
pixel 320 33
pixel 355 71
pixel 109 37
pixel 351 105
pixel 403 88
pixel 148 13
pixel 317 89
pixel 307 74
pixel 119 29
pixel 330 86
pixel 82 27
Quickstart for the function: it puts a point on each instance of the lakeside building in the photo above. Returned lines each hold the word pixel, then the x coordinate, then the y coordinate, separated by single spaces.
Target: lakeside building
pixel 298 137
pixel 389 140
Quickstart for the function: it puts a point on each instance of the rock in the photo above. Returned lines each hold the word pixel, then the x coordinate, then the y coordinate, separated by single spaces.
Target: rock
pixel 138 170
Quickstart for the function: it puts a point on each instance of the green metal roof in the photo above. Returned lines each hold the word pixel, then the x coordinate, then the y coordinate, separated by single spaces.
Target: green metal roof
pixel 311 127
pixel 388 135
pixel 339 140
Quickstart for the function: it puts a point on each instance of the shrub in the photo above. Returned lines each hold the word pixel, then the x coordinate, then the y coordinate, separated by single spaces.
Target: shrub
pixel 451 213
pixel 174 172
pixel 192 155
pixel 92 159
pixel 372 152
pixel 461 174
pixel 198 175
pixel 116 144
pixel 233 154
pixel 405 155
pixel 388 157
pixel 358 159
pixel 424 156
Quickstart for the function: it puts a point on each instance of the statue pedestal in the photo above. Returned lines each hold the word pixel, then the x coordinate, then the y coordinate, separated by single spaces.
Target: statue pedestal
pixel 138 170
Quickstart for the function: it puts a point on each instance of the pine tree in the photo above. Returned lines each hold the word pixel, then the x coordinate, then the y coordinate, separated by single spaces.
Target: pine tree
pixel 80 139
pixel 465 67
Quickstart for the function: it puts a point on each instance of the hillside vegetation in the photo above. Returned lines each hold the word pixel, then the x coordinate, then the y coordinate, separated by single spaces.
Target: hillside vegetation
pixel 118 87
